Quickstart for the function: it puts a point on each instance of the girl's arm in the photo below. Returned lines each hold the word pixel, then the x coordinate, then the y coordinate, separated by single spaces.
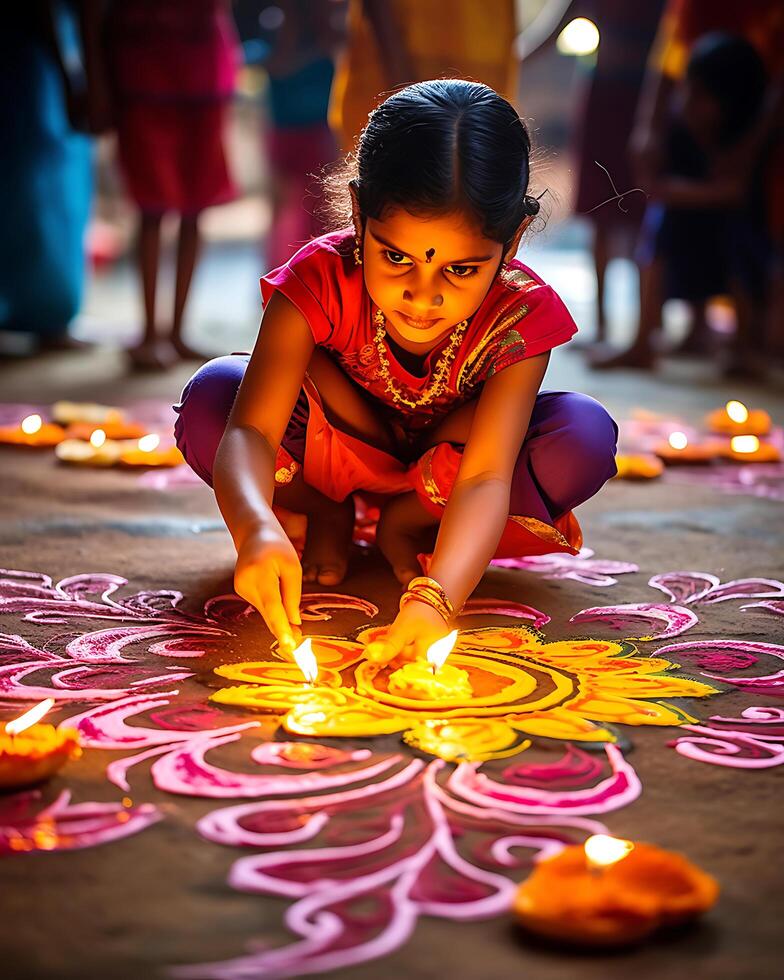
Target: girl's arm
pixel 268 572
pixel 478 507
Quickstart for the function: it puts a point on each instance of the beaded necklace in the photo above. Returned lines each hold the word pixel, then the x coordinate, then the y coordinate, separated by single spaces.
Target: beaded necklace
pixel 440 374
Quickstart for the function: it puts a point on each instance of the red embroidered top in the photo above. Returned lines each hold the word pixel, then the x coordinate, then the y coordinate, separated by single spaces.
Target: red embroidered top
pixel 519 317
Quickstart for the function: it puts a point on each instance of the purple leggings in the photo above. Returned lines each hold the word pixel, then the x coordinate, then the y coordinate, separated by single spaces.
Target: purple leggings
pixel 567 456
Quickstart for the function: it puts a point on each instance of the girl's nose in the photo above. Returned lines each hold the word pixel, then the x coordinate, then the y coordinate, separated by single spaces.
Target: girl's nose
pixel 421 300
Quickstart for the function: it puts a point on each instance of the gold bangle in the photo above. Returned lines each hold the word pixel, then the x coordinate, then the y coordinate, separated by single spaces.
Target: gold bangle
pixel 429 599
pixel 423 583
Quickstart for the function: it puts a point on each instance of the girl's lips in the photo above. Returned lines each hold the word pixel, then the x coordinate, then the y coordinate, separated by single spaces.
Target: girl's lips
pixel 418 324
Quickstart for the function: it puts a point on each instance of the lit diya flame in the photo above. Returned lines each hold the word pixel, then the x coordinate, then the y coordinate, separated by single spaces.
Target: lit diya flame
pixel 149 443
pixel 678 440
pixel 737 411
pixel 744 444
pixel 31 424
pixel 98 438
pixel 306 661
pixel 440 650
pixel 29 718
pixel 601 850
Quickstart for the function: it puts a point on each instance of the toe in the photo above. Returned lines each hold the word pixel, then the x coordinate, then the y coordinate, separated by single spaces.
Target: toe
pixel 329 575
pixel 309 573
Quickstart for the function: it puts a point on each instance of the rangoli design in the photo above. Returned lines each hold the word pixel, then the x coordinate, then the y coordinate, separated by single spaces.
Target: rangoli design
pixel 361 843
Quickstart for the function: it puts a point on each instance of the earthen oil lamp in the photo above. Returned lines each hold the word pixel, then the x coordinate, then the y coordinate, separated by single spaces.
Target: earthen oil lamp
pixel 432 679
pixel 678 449
pixel 736 420
pixel 32 431
pixel 31 752
pixel 611 892
pixel 638 467
pixel 750 449
pixel 147 452
pixel 97 451
pixel 87 413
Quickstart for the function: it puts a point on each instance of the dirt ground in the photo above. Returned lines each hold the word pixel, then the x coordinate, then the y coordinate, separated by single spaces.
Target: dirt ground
pixel 131 908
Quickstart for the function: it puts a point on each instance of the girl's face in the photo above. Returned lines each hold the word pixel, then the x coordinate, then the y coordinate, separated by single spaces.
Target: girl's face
pixel 427 274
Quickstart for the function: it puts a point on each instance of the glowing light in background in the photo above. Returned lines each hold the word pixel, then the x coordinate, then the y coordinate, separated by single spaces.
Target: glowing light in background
pixel 580 36
pixel 678 440
pixel 744 444
pixel 149 443
pixel 737 411
pixel 31 424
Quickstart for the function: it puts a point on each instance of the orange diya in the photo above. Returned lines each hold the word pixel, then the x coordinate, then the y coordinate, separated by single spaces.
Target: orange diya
pixel 31 752
pixel 432 679
pixel 679 449
pixel 32 431
pixel 611 892
pixel 147 452
pixel 750 449
pixel 737 420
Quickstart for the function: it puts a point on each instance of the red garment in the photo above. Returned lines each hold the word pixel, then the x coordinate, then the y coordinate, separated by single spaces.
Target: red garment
pixel 172 49
pixel 172 156
pixel 173 65
pixel 520 317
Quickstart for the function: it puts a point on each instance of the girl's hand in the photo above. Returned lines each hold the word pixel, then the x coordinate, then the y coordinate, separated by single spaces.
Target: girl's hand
pixel 269 576
pixel 416 627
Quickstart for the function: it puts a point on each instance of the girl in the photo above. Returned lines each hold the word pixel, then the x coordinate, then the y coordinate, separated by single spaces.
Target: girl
pixel 401 358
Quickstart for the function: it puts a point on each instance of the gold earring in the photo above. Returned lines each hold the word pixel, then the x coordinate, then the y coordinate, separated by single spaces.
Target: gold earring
pixel 357 253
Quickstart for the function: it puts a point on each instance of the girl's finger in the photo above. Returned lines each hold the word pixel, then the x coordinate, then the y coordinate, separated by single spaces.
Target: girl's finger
pixel 382 651
pixel 291 590
pixel 271 608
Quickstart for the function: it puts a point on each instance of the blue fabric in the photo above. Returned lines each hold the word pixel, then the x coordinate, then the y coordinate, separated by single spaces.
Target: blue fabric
pixel 45 188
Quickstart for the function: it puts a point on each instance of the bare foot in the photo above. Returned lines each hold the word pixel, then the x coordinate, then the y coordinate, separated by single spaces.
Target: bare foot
pixel 637 356
pixel 404 530
pixel 187 353
pixel 153 355
pixel 327 541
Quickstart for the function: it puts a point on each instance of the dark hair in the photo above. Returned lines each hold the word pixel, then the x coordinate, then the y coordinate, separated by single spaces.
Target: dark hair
pixel 733 73
pixel 440 146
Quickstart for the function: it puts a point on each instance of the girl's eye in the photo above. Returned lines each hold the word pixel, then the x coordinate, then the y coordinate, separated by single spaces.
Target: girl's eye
pixel 462 271
pixel 397 258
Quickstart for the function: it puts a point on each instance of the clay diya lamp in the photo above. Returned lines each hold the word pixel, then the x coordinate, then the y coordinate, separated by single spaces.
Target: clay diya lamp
pixel 87 413
pixel 432 679
pixel 97 451
pixel 112 430
pixel 32 431
pixel 638 467
pixel 750 449
pixel 737 420
pixel 611 892
pixel 679 450
pixel 147 452
pixel 31 752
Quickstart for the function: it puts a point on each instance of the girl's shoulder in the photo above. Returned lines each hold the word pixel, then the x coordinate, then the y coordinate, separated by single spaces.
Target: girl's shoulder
pixel 521 316
pixel 322 280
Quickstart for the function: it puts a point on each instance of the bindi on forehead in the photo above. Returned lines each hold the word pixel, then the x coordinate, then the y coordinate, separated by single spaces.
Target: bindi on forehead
pixel 429 254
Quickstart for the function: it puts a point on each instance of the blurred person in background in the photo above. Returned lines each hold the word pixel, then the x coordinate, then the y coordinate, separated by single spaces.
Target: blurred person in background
pixel 603 120
pixel 736 174
pixel 302 39
pixel 172 67
pixel 45 172
pixel 395 42
pixel 609 82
